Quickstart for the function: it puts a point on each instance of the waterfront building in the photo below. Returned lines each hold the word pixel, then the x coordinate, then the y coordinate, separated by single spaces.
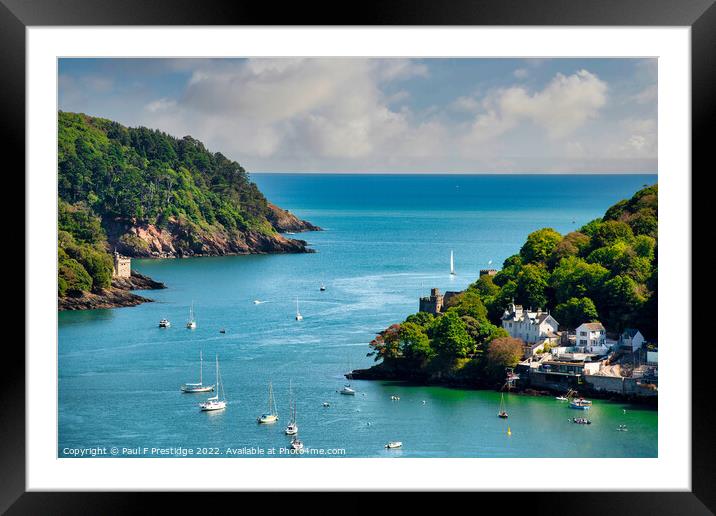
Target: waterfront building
pixel 122 266
pixel 631 339
pixel 531 327
pixel 591 335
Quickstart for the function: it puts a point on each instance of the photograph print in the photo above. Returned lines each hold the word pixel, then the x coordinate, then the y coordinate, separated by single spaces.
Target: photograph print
pixel 357 257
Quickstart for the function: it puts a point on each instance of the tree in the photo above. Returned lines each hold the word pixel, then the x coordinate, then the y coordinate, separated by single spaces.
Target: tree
pixel 575 312
pixel 503 352
pixel 612 231
pixel 386 345
pixel 449 336
pixel 573 244
pixel 423 319
pixel 539 245
pixel 532 285
pixel 485 286
pixel 574 277
pixel 414 342
pixel 468 303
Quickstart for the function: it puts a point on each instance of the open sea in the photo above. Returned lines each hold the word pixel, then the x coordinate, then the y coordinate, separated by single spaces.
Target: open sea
pixel 387 241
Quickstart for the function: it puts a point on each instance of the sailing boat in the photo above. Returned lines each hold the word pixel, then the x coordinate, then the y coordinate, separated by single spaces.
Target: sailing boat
pixel 299 317
pixel 292 428
pixel 271 416
pixel 191 323
pixel 198 387
pixel 347 390
pixel 452 264
pixel 502 412
pixel 215 403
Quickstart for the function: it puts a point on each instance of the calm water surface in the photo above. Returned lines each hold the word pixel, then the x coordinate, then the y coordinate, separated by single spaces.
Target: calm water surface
pixel 387 241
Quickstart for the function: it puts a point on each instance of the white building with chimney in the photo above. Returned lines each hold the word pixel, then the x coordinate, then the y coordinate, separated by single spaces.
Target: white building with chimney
pixel 591 336
pixel 531 327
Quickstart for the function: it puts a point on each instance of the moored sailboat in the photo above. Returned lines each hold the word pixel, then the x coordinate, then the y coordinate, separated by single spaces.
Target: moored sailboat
pixel 292 428
pixel 198 387
pixel 452 264
pixel 502 412
pixel 347 389
pixel 271 416
pixel 215 402
pixel 299 317
pixel 191 323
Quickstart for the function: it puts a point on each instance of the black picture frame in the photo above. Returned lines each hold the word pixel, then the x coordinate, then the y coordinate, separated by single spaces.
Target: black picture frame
pixel 700 15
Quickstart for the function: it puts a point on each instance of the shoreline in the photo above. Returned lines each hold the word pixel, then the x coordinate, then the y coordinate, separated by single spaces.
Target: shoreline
pixel 371 375
pixel 119 295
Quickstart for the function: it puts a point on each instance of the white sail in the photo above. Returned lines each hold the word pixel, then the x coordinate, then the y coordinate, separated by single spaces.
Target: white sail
pixel 452 264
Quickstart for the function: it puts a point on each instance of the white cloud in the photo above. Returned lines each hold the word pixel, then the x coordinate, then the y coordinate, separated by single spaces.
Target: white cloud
pixel 563 106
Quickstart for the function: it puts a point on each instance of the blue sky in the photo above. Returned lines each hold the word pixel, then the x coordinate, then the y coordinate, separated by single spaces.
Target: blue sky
pixel 387 115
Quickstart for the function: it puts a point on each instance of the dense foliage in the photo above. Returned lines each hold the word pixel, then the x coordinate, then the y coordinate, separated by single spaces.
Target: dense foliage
pixel 606 271
pixel 111 173
pixel 145 175
pixel 82 258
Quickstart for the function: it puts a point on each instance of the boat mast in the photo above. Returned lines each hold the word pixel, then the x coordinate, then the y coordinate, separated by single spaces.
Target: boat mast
pixel 201 368
pixel 452 263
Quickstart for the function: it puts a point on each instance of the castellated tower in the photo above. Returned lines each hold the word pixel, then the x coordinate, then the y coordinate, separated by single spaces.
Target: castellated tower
pixel 122 266
pixel 432 304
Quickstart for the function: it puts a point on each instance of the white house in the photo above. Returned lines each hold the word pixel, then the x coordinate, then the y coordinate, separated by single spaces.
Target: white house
pixel 532 327
pixel 631 338
pixel 591 335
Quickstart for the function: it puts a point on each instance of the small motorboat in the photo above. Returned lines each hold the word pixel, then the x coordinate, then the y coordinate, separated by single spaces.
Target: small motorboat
pixel 296 444
pixel 502 414
pixel 258 302
pixel 580 404
pixel 581 421
pixel 394 444
pixel 347 390
pixel 164 323
pixel 323 288
pixel 222 330
pixel 562 398
pixel 326 404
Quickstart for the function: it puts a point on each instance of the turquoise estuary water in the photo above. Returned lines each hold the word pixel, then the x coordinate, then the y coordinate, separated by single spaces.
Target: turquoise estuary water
pixel 387 241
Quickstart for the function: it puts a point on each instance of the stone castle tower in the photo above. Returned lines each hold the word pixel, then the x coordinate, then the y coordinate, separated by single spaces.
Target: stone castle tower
pixel 122 266
pixel 432 304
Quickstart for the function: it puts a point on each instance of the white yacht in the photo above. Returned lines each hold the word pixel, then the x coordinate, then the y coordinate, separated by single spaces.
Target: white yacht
pixel 164 323
pixel 272 415
pixel 347 389
pixel 297 444
pixel 394 444
pixel 191 323
pixel 215 402
pixel 452 264
pixel 292 428
pixel 299 317
pixel 198 387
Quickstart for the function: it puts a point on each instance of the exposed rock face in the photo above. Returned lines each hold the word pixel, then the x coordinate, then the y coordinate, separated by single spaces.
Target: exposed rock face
pixel 283 221
pixel 117 295
pixel 181 240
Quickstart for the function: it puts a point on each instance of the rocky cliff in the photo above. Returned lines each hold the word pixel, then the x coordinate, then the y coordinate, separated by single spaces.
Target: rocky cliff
pixel 284 221
pixel 179 239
